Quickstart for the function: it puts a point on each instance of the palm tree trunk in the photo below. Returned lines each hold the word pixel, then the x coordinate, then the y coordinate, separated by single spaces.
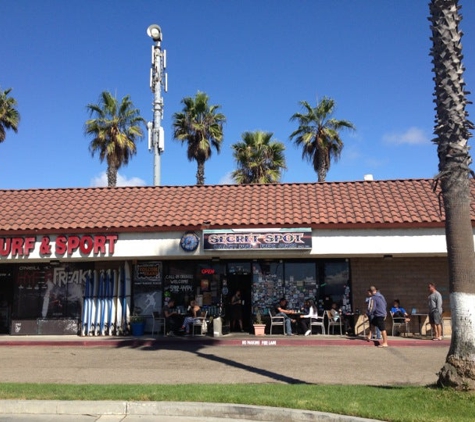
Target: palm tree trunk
pixel 452 134
pixel 321 167
pixel 459 368
pixel 111 175
pixel 200 173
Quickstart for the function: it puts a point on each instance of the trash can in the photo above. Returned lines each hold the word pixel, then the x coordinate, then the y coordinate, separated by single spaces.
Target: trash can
pixel 217 327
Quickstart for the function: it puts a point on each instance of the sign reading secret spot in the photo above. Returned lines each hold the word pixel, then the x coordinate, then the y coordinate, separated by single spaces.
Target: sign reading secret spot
pixel 261 239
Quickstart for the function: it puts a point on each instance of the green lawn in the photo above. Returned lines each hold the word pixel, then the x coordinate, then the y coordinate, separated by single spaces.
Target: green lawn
pixel 402 404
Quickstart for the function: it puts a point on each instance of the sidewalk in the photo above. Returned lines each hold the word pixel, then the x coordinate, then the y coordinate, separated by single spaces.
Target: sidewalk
pixel 233 339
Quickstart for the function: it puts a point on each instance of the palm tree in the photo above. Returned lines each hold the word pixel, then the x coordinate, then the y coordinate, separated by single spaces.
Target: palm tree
pixel 318 134
pixel 115 129
pixel 452 131
pixel 201 126
pixel 259 158
pixel 9 116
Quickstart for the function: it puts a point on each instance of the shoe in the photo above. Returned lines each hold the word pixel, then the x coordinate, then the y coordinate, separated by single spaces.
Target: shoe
pixel 291 334
pixel 308 332
pixel 171 334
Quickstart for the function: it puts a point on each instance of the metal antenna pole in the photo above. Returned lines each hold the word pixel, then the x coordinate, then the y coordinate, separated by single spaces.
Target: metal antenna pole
pixel 158 78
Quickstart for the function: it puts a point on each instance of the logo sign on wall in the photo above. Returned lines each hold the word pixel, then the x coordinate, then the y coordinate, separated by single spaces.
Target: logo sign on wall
pixel 189 241
pixel 261 239
pixel 148 273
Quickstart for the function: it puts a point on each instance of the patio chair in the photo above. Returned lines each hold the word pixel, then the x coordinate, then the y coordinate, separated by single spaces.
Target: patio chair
pixel 398 323
pixel 201 324
pixel 160 321
pixel 276 320
pixel 446 318
pixel 317 322
pixel 332 323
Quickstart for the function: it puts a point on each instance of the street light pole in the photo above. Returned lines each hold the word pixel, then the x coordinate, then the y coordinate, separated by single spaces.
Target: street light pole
pixel 158 78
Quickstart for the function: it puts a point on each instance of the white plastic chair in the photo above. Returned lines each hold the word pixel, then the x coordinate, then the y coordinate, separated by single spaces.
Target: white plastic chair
pixel 160 321
pixel 201 323
pixel 317 322
pixel 276 320
pixel 332 323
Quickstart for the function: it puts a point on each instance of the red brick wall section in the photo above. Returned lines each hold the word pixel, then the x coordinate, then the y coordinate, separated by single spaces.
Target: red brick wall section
pixel 405 279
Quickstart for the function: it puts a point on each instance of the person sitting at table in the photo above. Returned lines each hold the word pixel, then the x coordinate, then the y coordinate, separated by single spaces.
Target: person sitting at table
pixel 397 312
pixel 281 310
pixel 335 312
pixel 171 317
pixel 312 312
pixel 337 315
pixel 193 312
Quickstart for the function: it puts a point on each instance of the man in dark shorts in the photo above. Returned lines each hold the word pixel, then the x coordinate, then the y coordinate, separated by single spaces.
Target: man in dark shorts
pixel 435 312
pixel 377 312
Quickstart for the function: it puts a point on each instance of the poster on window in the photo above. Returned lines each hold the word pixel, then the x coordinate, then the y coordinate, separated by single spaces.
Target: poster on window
pixel 147 288
pixel 44 291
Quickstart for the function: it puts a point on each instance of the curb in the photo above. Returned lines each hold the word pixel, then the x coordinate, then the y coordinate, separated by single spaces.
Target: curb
pixel 186 409
pixel 249 341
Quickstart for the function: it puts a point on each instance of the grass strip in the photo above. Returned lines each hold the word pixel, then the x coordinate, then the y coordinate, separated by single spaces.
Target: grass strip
pixel 395 404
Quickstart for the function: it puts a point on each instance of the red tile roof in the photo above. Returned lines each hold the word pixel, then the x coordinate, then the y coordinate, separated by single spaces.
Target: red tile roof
pixel 393 203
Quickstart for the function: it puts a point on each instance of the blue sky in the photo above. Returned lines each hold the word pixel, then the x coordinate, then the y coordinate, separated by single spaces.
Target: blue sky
pixel 256 58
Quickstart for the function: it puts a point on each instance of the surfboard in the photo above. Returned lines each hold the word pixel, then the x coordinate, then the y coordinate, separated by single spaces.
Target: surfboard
pixel 85 306
pixel 91 301
pixel 127 297
pixel 118 302
pixel 110 302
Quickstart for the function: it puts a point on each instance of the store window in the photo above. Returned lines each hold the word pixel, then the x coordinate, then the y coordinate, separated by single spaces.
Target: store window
pixel 300 283
pixel 267 283
pixel 335 286
pixel 43 291
pixel 194 280
pixel 179 283
pixel 147 287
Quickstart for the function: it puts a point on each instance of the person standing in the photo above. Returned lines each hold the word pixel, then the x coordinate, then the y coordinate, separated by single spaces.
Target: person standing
pixel 377 312
pixel 435 312
pixel 236 306
pixel 377 333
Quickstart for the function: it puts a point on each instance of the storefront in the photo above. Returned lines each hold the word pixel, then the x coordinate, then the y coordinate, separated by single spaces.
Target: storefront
pixel 71 265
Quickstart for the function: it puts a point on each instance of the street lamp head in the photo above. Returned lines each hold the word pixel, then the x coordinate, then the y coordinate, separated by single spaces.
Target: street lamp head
pixel 154 32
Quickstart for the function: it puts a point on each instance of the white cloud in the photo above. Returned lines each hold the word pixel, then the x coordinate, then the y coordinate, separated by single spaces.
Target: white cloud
pixel 412 136
pixel 101 181
pixel 227 180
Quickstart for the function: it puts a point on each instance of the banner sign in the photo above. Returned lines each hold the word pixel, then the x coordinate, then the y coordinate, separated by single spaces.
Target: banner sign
pixel 86 245
pixel 260 239
pixel 148 273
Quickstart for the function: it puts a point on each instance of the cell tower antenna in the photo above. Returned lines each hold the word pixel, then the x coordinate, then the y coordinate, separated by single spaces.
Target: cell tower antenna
pixel 158 79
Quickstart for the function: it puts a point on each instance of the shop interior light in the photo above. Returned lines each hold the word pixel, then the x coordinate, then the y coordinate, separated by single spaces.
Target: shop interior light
pixel 54 262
